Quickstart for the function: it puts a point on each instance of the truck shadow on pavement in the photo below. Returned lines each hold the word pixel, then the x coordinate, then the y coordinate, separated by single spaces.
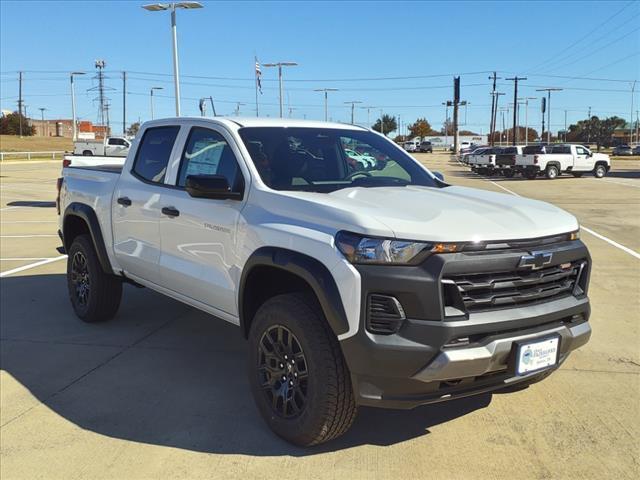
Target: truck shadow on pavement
pixel 159 373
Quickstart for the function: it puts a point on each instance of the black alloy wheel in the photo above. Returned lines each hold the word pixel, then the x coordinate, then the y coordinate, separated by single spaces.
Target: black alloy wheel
pixel 283 371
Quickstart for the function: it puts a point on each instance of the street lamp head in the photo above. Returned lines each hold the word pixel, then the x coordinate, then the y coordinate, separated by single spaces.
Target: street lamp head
pixel 280 64
pixel 78 73
pixel 325 90
pixel 157 7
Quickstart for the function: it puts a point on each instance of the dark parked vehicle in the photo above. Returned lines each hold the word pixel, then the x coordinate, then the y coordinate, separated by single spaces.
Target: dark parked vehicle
pixel 506 160
pixel 426 147
pixel 636 150
pixel 622 151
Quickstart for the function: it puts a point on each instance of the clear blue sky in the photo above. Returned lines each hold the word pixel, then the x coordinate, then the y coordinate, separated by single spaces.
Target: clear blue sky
pixel 334 43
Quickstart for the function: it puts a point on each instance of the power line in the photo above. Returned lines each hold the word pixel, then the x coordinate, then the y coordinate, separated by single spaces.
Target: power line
pixel 587 35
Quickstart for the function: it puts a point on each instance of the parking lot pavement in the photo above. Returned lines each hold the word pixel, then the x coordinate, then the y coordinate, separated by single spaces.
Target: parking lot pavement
pixel 160 391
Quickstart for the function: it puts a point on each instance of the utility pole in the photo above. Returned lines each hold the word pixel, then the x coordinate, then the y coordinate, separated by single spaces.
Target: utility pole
pixel 20 103
pixel 353 107
pixel 543 109
pixel 526 117
pixel 589 126
pixel 515 107
pixel 633 87
pixel 495 117
pixel 326 100
pixel 382 123
pixel 73 106
pixel 492 121
pixel 42 109
pixel 124 103
pixel 565 126
pixel 548 90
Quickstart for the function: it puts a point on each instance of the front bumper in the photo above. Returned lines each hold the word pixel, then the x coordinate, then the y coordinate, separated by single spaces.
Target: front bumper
pixel 425 361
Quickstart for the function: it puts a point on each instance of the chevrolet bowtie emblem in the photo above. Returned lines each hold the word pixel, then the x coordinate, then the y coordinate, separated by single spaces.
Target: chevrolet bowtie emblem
pixel 536 260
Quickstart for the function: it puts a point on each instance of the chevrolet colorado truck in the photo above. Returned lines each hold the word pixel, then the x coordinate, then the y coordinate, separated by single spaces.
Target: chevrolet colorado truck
pixel 354 285
pixel 553 160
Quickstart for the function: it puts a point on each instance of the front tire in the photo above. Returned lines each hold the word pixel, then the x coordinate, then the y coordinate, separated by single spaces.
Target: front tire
pixel 94 294
pixel 508 173
pixel 600 171
pixel 298 376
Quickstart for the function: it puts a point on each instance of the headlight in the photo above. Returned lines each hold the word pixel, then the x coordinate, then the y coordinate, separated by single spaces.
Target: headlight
pixel 574 235
pixel 359 249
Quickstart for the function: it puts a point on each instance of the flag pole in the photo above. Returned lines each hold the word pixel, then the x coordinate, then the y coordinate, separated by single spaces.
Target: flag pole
pixel 256 85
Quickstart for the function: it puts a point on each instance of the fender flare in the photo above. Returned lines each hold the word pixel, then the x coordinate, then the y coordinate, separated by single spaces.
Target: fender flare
pixel 312 271
pixel 88 215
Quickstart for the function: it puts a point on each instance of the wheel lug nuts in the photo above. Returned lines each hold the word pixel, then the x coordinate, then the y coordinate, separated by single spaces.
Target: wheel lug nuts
pixel 285 357
pixel 291 383
pixel 295 374
pixel 282 365
pixel 284 379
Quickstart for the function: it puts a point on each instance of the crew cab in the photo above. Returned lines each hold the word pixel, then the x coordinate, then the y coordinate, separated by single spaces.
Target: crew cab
pixel 553 160
pixel 109 147
pixel 353 286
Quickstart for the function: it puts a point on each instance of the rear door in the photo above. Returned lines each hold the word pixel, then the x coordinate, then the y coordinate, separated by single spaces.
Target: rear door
pixel 199 256
pixel 137 203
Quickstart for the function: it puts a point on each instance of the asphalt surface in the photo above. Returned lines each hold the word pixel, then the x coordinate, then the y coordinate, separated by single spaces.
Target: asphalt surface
pixel 160 391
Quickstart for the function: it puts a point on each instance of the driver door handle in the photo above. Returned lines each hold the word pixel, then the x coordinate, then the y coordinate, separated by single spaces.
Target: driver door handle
pixel 124 201
pixel 170 211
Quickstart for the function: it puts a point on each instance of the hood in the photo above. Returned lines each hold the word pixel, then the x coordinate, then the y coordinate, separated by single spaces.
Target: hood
pixel 448 214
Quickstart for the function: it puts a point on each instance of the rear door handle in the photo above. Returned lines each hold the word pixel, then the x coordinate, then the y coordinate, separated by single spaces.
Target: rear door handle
pixel 170 211
pixel 124 201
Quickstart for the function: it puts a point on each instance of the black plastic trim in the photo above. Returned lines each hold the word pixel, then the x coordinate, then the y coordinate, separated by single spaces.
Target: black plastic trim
pixel 88 215
pixel 308 269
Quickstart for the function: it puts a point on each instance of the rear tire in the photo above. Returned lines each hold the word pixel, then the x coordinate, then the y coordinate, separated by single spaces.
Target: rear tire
pixel 600 171
pixel 552 172
pixel 87 153
pixel 94 294
pixel 298 376
pixel 532 175
pixel 508 173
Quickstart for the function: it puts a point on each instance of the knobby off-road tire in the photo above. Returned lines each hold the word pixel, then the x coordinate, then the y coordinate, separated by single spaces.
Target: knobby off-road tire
pixel 94 294
pixel 298 376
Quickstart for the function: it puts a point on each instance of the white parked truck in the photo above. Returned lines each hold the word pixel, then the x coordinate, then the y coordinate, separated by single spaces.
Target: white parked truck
pixel 553 160
pixel 483 160
pixel 353 286
pixel 110 147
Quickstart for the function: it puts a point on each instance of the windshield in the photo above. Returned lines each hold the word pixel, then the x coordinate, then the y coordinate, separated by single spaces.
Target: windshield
pixel 325 159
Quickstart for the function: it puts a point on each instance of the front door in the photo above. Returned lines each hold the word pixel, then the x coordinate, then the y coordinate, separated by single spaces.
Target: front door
pixel 199 235
pixel 583 160
pixel 137 203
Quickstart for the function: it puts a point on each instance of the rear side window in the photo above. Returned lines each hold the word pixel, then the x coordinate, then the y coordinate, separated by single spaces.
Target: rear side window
pixel 208 153
pixel 153 153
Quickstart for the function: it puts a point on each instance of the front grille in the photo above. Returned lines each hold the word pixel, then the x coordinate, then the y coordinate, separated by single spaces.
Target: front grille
pixel 385 314
pixel 487 291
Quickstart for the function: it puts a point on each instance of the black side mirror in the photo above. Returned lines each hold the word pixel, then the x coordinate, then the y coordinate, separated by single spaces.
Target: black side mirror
pixel 211 186
pixel 439 176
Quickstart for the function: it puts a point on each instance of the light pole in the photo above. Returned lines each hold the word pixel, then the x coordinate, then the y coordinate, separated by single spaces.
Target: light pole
pixel 151 97
pixel 326 101
pixel 280 65
pixel 526 117
pixel 548 90
pixel 353 107
pixel 446 104
pixel 633 87
pixel 42 109
pixel 368 109
pixel 73 107
pixel 155 7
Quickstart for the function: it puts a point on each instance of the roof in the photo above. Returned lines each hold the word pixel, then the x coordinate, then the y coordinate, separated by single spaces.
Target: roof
pixel 264 122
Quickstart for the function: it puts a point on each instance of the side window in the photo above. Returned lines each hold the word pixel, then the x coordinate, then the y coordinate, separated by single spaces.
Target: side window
pixel 153 153
pixel 208 153
pixel 581 151
pixel 116 141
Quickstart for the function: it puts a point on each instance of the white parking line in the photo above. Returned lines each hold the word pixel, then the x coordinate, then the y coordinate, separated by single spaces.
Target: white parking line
pixel 31 265
pixel 29 221
pixel 617 183
pixel 28 236
pixel 23 259
pixel 633 253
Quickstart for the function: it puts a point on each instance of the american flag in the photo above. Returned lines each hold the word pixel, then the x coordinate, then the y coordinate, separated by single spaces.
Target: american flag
pixel 258 75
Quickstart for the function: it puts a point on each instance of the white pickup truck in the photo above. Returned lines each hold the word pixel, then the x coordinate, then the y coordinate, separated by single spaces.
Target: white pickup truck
pixel 483 160
pixel 109 147
pixel 553 160
pixel 354 286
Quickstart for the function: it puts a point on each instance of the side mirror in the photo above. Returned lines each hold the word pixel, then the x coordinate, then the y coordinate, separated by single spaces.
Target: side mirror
pixel 439 176
pixel 211 186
